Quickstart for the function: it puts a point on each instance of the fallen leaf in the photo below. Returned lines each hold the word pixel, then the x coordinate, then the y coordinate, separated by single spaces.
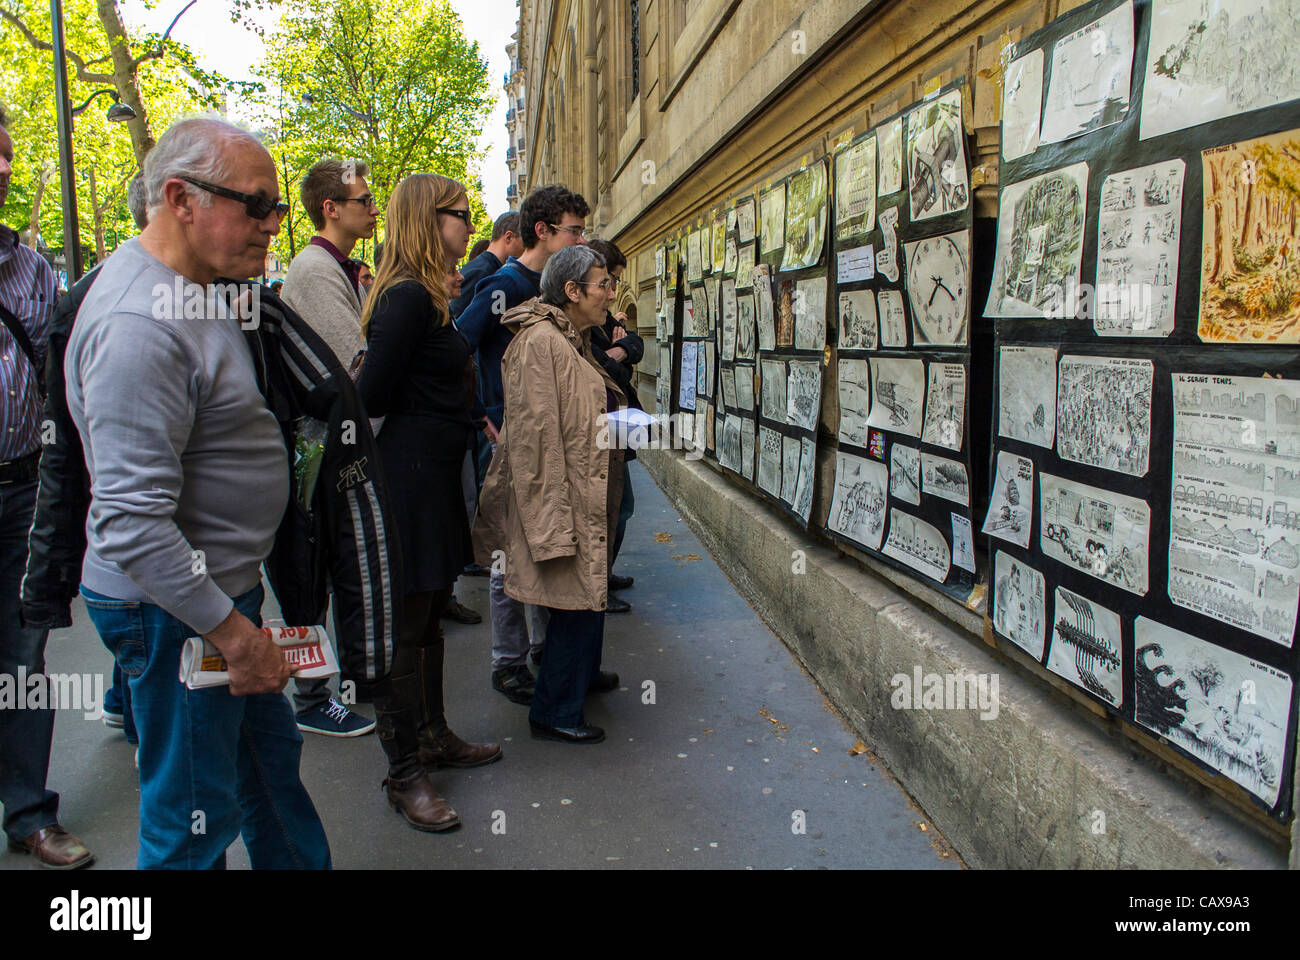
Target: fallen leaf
pixel 857 748
pixel 663 538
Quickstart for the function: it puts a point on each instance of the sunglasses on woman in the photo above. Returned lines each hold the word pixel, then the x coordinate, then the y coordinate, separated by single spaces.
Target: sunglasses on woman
pixel 259 208
pixel 461 214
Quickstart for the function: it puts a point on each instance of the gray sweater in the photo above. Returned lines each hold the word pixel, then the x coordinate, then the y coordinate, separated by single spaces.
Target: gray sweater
pixel 188 468
pixel 319 291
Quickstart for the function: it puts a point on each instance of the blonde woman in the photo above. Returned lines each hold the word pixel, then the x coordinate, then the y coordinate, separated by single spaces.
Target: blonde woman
pixel 418 374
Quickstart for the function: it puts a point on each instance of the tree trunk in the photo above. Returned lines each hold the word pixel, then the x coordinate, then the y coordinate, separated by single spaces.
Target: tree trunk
pixel 1247 218
pixel 34 224
pixel 97 211
pixel 125 78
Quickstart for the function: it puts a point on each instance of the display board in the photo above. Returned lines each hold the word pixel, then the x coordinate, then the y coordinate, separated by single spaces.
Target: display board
pixel 1144 525
pixel 901 310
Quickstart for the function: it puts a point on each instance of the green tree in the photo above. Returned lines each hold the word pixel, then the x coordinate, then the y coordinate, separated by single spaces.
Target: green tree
pixel 156 76
pixel 395 83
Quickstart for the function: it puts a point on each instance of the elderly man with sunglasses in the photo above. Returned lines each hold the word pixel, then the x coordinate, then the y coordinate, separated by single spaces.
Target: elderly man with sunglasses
pixel 190 481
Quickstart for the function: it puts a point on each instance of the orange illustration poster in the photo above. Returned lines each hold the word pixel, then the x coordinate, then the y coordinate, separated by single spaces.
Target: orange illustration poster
pixel 1250 278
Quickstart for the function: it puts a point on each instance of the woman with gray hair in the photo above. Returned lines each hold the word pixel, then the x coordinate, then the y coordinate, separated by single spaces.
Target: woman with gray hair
pixel 550 501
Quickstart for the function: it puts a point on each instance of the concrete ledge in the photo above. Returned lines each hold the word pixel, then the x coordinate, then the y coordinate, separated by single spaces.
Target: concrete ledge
pixel 1028 788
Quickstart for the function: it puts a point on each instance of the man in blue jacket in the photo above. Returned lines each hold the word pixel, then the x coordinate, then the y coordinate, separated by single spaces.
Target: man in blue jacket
pixel 550 219
pixel 506 243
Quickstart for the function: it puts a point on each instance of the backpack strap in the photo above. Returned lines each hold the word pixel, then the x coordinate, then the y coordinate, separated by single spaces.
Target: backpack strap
pixel 24 341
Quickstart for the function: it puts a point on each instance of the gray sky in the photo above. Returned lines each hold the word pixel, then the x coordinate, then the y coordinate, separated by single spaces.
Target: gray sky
pixel 225 47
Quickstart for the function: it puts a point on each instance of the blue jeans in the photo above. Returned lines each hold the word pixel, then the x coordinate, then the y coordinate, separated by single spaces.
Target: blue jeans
pixel 25 735
pixel 212 766
pixel 118 700
pixel 572 660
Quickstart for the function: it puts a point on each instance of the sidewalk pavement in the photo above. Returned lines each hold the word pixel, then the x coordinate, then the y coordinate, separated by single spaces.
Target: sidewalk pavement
pixel 738 749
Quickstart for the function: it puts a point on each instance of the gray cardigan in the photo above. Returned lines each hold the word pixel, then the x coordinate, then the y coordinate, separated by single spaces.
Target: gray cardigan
pixel 319 291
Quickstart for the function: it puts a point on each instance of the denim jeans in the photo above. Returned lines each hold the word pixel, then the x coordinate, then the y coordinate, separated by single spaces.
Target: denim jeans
pixel 117 699
pixel 25 735
pixel 212 765
pixel 573 643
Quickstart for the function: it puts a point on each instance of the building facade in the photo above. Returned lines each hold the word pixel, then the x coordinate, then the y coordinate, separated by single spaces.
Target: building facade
pixel 662 113
pixel 516 125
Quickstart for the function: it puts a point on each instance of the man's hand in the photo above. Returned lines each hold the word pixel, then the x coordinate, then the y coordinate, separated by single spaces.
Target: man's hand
pixel 493 434
pixel 256 663
pixel 616 353
pixel 620 331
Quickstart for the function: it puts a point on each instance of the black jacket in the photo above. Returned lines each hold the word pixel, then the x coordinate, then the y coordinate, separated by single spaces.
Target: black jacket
pixel 345 543
pixel 620 371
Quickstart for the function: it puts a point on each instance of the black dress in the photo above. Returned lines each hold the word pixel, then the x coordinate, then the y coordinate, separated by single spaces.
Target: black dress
pixel 417 373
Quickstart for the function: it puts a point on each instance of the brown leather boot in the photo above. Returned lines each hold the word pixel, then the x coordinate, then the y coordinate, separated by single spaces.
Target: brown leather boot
pixel 420 804
pixel 439 747
pixel 396 714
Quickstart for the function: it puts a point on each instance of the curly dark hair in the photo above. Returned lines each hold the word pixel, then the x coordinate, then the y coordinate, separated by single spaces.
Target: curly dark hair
pixel 548 204
pixel 4 118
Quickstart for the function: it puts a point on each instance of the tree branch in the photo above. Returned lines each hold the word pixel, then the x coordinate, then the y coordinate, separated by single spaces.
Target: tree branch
pixel 158 50
pixel 39 44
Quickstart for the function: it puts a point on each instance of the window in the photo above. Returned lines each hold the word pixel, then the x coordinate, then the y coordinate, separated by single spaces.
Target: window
pixel 634 47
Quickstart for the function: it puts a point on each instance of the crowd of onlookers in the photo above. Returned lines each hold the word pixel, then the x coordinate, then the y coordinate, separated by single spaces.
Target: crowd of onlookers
pixel 174 431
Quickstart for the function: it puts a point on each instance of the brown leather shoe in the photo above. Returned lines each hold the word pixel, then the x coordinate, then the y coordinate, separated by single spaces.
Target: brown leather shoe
pixel 449 750
pixel 422 806
pixel 54 847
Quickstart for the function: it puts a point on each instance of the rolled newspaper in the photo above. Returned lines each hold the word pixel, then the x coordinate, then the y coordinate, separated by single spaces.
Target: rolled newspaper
pixel 307 650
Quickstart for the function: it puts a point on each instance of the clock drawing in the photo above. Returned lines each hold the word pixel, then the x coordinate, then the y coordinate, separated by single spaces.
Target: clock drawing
pixel 939 287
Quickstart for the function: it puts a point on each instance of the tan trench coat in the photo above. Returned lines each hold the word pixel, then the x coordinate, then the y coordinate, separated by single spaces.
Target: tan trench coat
pixel 551 497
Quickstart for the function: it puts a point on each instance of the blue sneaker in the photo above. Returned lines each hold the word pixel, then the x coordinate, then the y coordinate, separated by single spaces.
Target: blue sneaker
pixel 332 719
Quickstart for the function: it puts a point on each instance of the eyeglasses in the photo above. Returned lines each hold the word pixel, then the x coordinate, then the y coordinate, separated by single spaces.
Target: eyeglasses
pixel 366 201
pixel 461 214
pixel 259 208
pixel 608 284
pixel 571 228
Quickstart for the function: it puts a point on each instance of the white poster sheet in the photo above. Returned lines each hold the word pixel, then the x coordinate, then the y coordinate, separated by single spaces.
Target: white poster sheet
pixel 1234 548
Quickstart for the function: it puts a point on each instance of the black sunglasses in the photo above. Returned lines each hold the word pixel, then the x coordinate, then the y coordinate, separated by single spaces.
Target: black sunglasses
pixel 462 214
pixel 259 208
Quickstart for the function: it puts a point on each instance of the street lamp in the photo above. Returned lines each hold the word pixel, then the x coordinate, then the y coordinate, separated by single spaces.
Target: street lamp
pixel 117 112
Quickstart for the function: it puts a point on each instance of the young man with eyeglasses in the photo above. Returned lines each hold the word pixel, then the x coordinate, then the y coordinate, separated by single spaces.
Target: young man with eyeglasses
pixel 550 219
pixel 323 285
